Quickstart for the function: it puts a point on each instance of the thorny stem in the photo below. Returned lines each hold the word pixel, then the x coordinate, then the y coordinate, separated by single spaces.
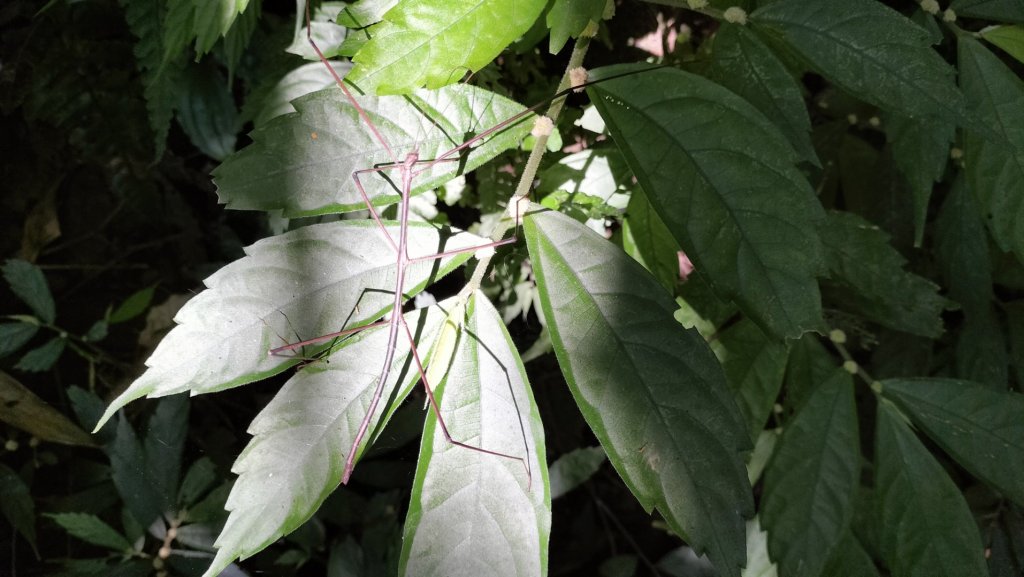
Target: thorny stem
pixel 529 171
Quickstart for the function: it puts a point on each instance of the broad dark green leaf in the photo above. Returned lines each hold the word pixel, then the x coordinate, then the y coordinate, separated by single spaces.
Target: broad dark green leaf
pixel 646 238
pixel 869 50
pixel 995 171
pixel 754 366
pixel 28 284
pixel 21 408
pixel 981 351
pixel 650 390
pixel 999 10
pixel 199 478
pixel 925 527
pixel 920 148
pixel 722 178
pixel 164 444
pixel 313 421
pixel 43 357
pixel 982 428
pixel 867 278
pixel 17 505
pixel 961 248
pixel 811 482
pixel 1009 38
pixel 568 18
pixel 849 559
pixel 433 43
pixel 472 513
pixel 206 111
pixel 299 285
pixel 92 529
pixel 809 364
pixel 302 163
pixel 575 468
pixel 14 335
pixel 743 64
pixel 136 487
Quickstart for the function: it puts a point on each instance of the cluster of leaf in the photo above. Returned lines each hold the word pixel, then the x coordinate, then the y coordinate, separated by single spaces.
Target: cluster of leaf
pixel 879 204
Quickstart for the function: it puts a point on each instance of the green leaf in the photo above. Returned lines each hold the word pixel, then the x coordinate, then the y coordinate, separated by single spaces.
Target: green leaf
pixel 238 36
pixel 42 358
pixel 981 351
pixel 869 50
pixel 164 444
pixel 744 65
pixel 13 336
pixel 302 163
pixel 925 527
pixel 982 428
pixel 313 420
pixel 28 284
pixel 503 512
pixel 961 248
pixel 809 364
pixel 920 148
pixel 213 19
pixel 295 286
pixel 995 171
pixel 1001 10
pixel 811 481
pixel 574 468
pixel 646 238
pixel 1009 38
pixel 651 391
pixel 200 476
pixel 849 559
pixel 568 18
pixel 867 278
pixel 133 306
pixel 137 489
pixel 722 178
pixel 433 43
pixel 754 366
pixel 91 529
pixel 21 408
pixel 363 13
pixel 17 505
pixel 206 112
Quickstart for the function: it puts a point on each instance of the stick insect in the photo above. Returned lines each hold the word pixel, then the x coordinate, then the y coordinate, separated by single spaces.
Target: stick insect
pixel 408 167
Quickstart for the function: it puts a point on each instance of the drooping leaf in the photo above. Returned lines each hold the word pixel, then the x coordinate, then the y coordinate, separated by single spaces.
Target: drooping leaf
pixel 925 527
pixel 17 505
pixel 164 444
pixel 754 367
pixel 646 238
pixel 213 19
pixel 722 178
pixel 849 559
pixel 21 408
pixel 867 49
pixel 744 65
pixel 91 529
pixel 982 428
pixel 995 171
pixel 133 482
pixel 1000 10
pixel 811 481
pixel 28 284
pixel 650 390
pixel 313 420
pixel 302 163
pixel 432 43
pixel 920 148
pixel 299 285
pixel 1009 38
pixel 961 248
pixel 568 18
pixel 43 357
pixel 574 468
pixel 867 278
pixel 206 112
pixel 472 513
pixel 14 335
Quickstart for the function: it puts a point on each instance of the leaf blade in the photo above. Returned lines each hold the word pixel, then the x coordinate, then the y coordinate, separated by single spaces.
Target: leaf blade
pixel 618 345
pixel 28 284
